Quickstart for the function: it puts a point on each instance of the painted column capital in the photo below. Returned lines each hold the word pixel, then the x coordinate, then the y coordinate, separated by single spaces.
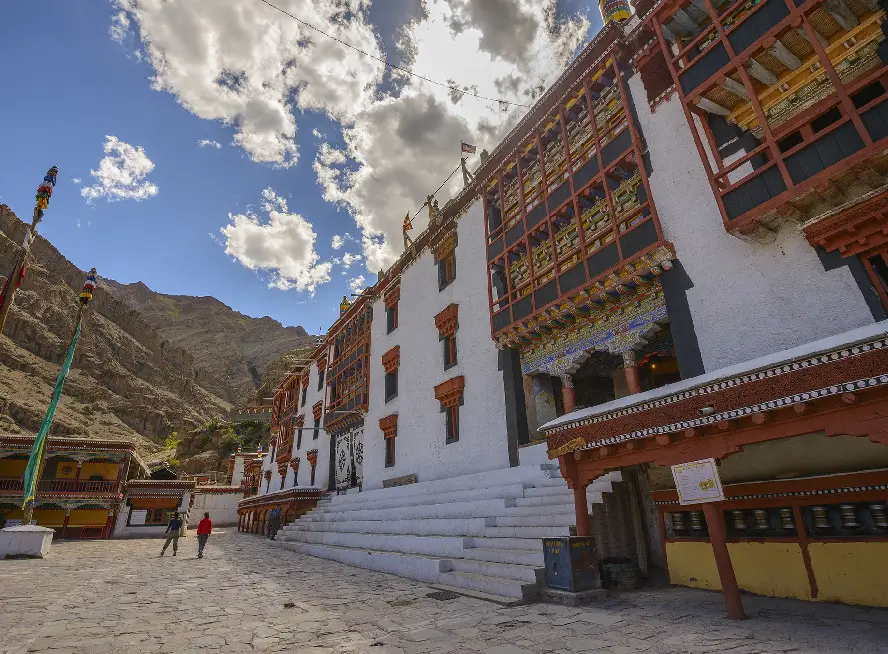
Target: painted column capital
pixel 567 381
pixel 630 360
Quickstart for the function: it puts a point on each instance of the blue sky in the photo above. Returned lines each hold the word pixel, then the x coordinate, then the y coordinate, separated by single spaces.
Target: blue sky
pixel 70 87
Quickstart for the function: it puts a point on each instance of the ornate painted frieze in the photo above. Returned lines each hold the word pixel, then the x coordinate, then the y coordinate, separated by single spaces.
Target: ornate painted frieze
pixel 626 327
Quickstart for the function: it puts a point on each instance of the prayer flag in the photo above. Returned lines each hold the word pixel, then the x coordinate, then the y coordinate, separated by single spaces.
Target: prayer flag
pixel 468 149
pixel 32 471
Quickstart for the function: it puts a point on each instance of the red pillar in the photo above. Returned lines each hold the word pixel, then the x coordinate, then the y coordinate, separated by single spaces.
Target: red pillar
pixel 581 508
pixel 568 394
pixel 630 366
pixel 715 521
pixel 65 522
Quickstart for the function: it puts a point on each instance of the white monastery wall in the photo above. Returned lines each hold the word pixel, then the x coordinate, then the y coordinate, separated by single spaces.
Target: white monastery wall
pixel 322 444
pixel 420 442
pixel 237 473
pixel 747 299
pixel 221 506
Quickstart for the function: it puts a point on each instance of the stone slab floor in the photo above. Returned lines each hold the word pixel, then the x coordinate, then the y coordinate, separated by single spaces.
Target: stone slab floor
pixel 248 595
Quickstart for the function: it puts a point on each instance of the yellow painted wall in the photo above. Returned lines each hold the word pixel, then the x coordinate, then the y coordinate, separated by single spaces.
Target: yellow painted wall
pixel 66 470
pixel 854 573
pixel 49 517
pixel 692 564
pixel 12 514
pixel 82 517
pixel 772 569
pixel 108 471
pixel 12 467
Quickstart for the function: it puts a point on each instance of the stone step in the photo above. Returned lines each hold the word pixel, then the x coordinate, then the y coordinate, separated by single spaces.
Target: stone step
pixel 549 491
pixel 422 568
pixel 526 532
pixel 456 509
pixel 501 555
pixel 560 499
pixel 434 546
pixel 539 520
pixel 544 509
pixel 466 495
pixel 515 572
pixel 419 527
pixel 526 544
pixel 463 483
pixel 476 594
pixel 491 585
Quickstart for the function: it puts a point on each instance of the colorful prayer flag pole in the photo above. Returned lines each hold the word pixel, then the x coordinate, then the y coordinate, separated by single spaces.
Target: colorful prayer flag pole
pixel 44 192
pixel 35 461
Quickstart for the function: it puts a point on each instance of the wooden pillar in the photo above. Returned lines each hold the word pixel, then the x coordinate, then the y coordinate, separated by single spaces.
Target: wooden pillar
pixel 568 394
pixel 715 521
pixel 581 508
pixel 630 366
pixel 65 521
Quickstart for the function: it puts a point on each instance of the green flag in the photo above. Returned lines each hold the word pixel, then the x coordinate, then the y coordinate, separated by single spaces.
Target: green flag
pixel 33 469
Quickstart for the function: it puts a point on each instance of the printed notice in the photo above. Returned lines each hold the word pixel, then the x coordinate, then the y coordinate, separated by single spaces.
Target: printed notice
pixel 697 482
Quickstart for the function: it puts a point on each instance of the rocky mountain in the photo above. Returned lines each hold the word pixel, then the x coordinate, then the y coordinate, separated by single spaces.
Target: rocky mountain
pixel 232 352
pixel 128 382
pixel 147 364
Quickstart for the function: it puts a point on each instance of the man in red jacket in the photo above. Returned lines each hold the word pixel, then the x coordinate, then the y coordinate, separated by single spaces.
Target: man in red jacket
pixel 204 529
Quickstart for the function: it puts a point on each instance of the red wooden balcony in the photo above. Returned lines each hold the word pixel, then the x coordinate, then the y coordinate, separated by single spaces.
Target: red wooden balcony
pixel 787 101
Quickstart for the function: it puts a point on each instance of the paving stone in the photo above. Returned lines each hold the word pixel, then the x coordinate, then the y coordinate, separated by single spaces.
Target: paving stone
pixel 120 598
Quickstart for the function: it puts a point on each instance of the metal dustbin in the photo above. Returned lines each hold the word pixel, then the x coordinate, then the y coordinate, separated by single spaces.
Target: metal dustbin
pixel 571 563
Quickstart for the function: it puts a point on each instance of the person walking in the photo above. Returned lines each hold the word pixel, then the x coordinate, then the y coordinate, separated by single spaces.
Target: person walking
pixel 274 522
pixel 204 529
pixel 172 533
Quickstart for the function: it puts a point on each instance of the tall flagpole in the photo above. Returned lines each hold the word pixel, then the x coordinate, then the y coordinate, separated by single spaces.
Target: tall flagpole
pixel 34 468
pixel 44 192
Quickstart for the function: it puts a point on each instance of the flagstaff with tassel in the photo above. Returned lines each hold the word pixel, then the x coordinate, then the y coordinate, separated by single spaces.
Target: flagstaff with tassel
pixel 35 461
pixel 14 280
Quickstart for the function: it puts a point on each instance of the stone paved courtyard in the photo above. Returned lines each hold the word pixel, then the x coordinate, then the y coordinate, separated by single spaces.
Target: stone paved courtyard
pixel 248 595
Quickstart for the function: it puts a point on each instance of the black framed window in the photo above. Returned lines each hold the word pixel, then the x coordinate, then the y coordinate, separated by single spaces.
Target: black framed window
pixel 449 351
pixel 451 416
pixel 299 438
pixel 314 435
pixel 391 385
pixel 391 318
pixel 304 395
pixel 446 270
pixel 390 452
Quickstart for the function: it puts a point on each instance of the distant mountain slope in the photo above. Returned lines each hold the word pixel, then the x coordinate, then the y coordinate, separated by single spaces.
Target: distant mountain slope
pixel 128 382
pixel 232 352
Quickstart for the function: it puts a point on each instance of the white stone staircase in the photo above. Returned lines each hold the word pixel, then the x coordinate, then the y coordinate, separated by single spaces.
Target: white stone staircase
pixel 480 532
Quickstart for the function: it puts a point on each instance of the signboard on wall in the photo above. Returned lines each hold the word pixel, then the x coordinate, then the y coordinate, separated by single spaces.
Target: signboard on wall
pixel 137 517
pixel 698 482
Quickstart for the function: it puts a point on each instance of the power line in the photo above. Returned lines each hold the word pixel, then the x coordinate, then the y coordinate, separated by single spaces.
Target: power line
pixel 396 66
pixel 439 188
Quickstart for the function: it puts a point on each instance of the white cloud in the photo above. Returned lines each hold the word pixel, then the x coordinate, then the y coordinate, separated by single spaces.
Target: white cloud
pixel 337 242
pixel 257 70
pixel 317 134
pixel 348 259
pixel 207 143
pixel 254 68
pixel 399 149
pixel 284 246
pixel 120 26
pixel 76 180
pixel 357 284
pixel 121 174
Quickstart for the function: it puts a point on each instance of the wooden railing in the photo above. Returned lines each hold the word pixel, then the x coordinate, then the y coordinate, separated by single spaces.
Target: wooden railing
pixel 61 485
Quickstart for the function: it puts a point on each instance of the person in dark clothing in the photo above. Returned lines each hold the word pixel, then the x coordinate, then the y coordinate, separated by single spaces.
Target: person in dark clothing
pixel 172 533
pixel 204 529
pixel 274 522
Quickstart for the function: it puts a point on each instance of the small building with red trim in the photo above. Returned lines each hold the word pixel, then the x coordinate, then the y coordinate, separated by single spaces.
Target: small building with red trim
pixel 80 490
pixel 800 442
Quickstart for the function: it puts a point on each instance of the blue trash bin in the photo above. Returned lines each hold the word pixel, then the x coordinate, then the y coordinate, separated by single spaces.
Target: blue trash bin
pixel 571 563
